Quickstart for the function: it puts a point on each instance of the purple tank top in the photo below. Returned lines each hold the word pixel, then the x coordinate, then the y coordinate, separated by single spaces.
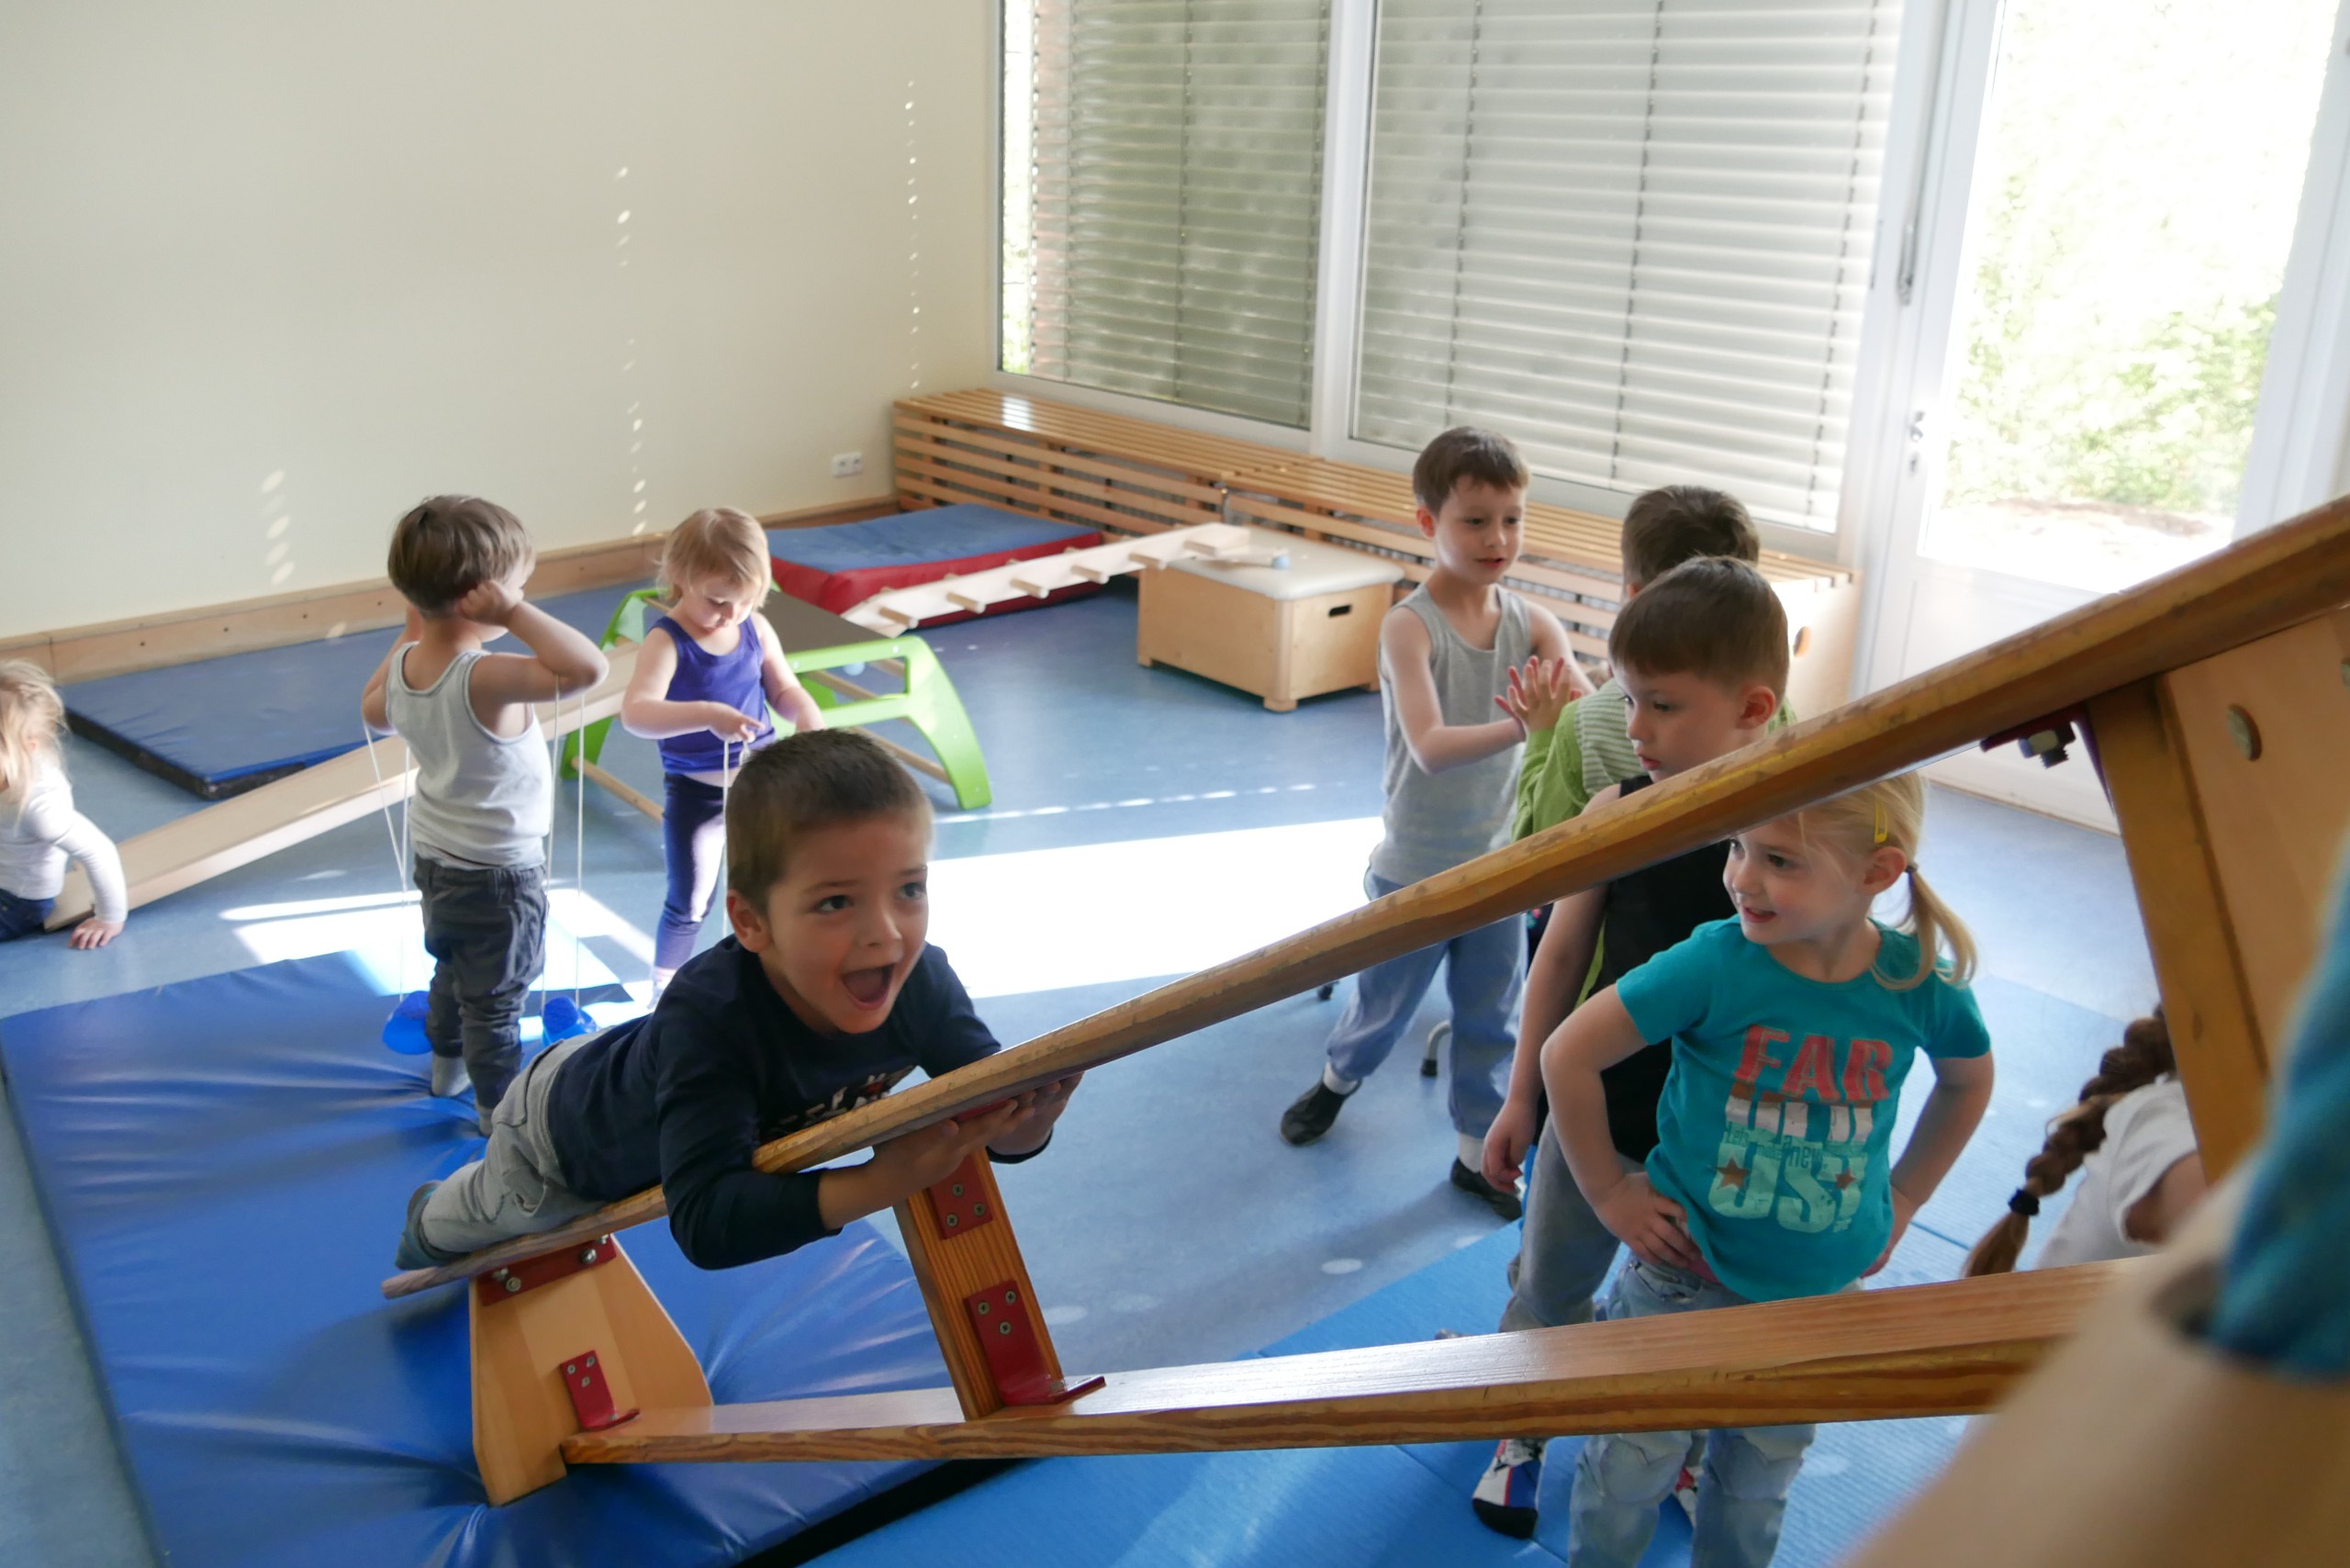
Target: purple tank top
pixel 702 677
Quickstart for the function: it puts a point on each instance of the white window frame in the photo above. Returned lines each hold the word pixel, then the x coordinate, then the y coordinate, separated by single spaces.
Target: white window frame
pixel 2301 445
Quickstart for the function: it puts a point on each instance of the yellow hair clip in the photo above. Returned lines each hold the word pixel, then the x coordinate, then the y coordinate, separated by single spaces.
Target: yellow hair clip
pixel 1883 831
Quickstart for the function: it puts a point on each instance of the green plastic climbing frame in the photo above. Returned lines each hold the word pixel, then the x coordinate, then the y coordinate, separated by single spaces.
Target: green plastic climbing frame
pixel 928 702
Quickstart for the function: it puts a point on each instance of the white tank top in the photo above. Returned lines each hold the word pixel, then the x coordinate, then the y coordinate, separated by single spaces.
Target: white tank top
pixel 481 799
pixel 1436 821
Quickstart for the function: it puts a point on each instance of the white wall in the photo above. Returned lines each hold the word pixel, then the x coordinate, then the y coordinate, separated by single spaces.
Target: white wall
pixel 376 250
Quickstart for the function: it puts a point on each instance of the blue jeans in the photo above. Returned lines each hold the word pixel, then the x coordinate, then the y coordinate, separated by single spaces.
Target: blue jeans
pixel 1483 971
pixel 22 917
pixel 1564 1254
pixel 1621 1477
pixel 693 832
pixel 485 928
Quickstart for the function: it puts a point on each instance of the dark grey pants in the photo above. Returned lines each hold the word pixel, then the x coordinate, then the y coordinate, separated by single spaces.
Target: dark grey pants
pixel 485 928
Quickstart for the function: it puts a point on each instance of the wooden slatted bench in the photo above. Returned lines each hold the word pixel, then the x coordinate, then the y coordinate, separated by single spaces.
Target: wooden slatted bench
pixel 1076 464
pixel 1571 561
pixel 1057 461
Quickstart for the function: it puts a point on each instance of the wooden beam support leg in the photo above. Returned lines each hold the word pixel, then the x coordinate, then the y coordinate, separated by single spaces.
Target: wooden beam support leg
pixel 990 1329
pixel 2227 776
pixel 534 1321
pixel 628 792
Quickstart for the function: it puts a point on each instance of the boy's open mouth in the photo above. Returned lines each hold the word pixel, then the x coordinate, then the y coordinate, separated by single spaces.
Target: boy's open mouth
pixel 868 988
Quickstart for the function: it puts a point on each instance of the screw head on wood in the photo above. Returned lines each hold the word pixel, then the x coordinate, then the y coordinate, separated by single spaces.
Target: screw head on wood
pixel 586 1254
pixel 1005 1327
pixel 512 1285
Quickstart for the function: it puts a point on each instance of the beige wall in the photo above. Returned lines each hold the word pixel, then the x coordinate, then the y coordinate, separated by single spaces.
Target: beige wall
pixel 269 273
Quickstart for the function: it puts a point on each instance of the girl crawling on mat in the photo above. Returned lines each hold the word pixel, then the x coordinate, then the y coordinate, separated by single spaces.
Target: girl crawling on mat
pixel 706 675
pixel 1793 1027
pixel 39 829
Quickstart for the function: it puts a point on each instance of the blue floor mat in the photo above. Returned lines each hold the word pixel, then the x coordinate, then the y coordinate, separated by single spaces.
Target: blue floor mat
pixel 1372 1505
pixel 935 533
pixel 215 727
pixel 223 1163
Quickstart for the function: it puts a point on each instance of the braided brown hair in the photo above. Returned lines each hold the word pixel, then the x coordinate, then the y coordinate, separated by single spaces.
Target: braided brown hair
pixel 2144 1056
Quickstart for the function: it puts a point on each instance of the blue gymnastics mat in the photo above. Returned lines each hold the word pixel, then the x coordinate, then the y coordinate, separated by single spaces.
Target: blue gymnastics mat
pixel 223 1164
pixel 223 725
pixel 1373 1507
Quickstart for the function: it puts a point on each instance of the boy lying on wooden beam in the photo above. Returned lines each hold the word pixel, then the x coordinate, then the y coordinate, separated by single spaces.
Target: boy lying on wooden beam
pixel 823 998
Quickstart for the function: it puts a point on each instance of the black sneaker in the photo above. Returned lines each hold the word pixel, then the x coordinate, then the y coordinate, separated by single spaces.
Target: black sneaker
pixel 415 1252
pixel 1506 1497
pixel 1473 1183
pixel 1311 1114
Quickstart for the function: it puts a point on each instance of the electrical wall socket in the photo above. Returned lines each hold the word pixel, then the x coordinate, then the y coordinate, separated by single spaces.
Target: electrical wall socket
pixel 847 464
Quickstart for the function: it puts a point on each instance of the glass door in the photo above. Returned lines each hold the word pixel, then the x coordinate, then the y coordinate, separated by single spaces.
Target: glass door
pixel 2137 169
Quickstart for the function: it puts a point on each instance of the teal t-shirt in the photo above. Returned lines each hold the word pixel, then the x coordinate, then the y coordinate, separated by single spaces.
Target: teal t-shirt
pixel 1774 1130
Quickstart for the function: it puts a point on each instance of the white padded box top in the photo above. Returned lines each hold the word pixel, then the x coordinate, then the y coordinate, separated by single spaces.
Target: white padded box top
pixel 1309 568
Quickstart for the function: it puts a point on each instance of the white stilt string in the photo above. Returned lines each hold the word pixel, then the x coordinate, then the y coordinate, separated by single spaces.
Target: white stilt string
pixel 399 837
pixel 578 839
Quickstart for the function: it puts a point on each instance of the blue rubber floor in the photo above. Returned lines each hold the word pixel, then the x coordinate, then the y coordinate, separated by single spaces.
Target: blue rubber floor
pixel 1169 1224
pixel 210 722
pixel 224 1163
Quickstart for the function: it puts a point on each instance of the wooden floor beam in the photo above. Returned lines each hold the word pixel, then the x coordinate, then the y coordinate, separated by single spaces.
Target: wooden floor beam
pixel 1936 1349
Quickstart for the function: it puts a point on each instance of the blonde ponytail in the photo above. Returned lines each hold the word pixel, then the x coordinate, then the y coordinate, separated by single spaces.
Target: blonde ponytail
pixel 30 718
pixel 1891 814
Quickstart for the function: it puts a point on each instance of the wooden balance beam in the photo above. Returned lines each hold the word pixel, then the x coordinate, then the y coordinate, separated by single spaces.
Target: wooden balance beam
pixel 289 810
pixel 1940 1350
pixel 2159 668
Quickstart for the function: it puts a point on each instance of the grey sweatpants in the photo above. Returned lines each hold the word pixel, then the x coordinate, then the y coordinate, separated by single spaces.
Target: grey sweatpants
pixel 516 1188
pixel 1565 1251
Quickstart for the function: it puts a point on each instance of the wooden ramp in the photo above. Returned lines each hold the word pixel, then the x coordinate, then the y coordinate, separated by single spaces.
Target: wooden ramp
pixel 893 611
pixel 1940 1350
pixel 300 806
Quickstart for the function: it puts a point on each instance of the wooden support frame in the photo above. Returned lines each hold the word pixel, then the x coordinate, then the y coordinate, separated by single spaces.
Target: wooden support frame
pixel 959 1240
pixel 893 611
pixel 524 1339
pixel 2225 774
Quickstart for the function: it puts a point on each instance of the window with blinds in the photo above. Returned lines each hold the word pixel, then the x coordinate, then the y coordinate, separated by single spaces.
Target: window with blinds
pixel 1633 236
pixel 1165 240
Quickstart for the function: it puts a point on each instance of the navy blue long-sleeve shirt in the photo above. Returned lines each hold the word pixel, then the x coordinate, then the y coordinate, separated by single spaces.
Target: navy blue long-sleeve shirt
pixel 685 1095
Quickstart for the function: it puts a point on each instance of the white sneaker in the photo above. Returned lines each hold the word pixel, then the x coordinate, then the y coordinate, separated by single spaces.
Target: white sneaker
pixel 1505 1497
pixel 449 1076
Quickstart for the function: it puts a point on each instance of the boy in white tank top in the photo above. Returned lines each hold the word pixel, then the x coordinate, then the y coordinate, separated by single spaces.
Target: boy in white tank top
pixel 483 798
pixel 1458 648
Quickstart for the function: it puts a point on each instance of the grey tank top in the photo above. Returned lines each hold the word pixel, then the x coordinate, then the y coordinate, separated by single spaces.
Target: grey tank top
pixel 481 799
pixel 1436 821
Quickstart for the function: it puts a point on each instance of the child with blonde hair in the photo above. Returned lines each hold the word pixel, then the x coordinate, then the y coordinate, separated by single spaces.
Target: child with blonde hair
pixel 39 829
pixel 1793 1027
pixel 706 674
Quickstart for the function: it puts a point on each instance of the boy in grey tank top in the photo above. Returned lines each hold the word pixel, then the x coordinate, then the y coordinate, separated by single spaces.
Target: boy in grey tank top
pixel 483 798
pixel 1446 658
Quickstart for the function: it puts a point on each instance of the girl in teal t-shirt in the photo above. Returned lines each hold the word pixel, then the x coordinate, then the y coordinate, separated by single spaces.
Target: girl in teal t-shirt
pixel 1793 1027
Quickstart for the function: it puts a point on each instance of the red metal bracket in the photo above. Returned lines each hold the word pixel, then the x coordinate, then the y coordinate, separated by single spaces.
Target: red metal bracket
pixel 506 1283
pixel 1009 1342
pixel 960 1201
pixel 591 1396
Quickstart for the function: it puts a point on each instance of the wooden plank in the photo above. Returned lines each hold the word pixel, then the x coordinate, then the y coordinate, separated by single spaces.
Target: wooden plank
pixel 289 810
pixel 2259 585
pixel 1922 1350
pixel 893 609
pixel 629 793
pixel 1046 489
pixel 1200 454
pixel 923 489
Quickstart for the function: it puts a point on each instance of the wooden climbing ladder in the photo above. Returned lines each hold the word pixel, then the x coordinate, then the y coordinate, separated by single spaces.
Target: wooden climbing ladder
pixel 2217 700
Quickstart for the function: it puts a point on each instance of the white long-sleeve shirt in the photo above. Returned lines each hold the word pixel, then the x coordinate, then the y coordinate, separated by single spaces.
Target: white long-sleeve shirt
pixel 39 830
